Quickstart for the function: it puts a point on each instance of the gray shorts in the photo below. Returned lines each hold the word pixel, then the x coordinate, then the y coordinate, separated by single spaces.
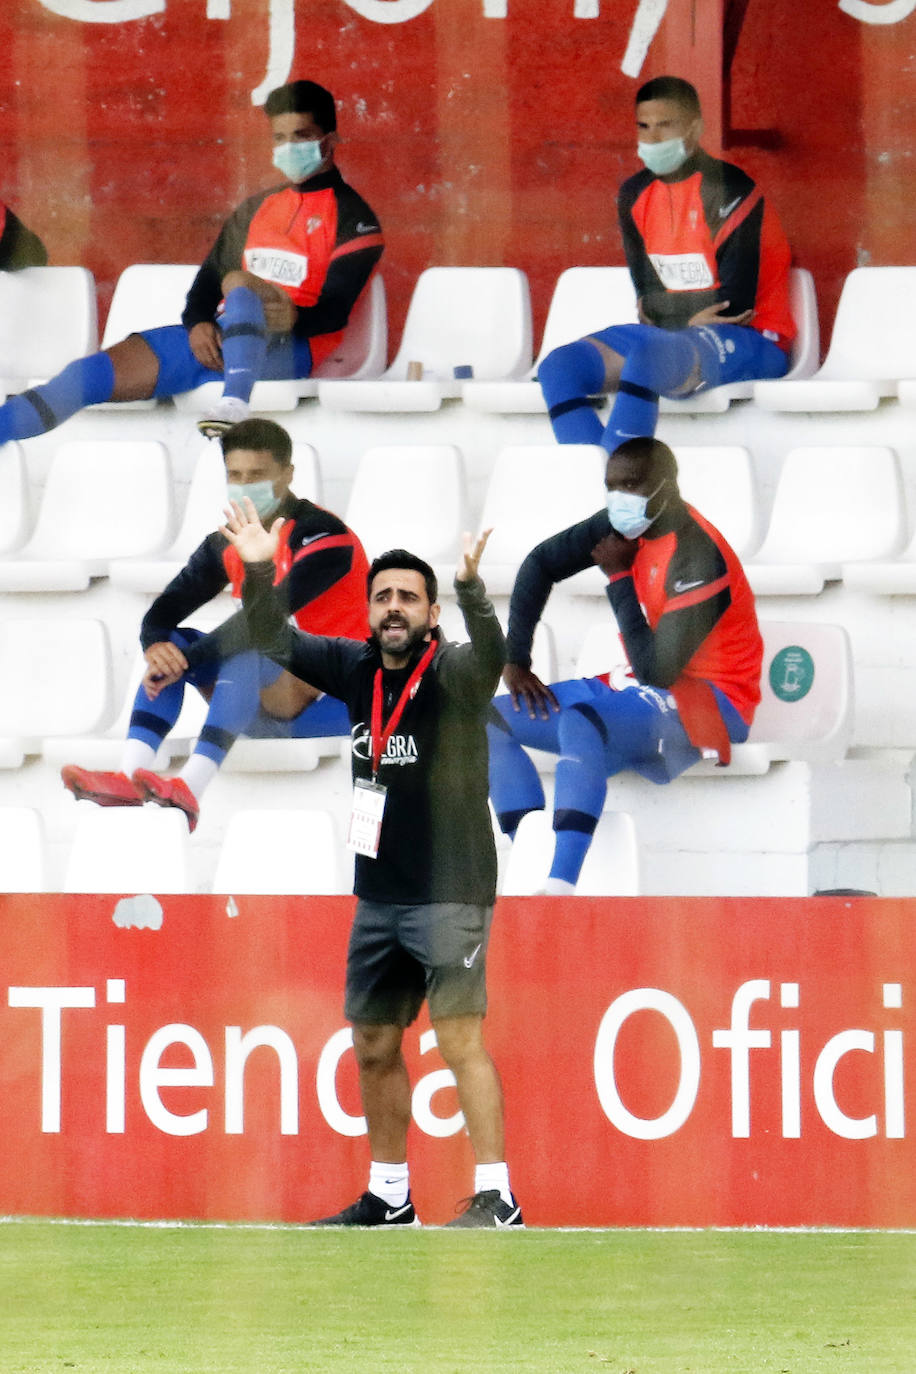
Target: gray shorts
pixel 399 955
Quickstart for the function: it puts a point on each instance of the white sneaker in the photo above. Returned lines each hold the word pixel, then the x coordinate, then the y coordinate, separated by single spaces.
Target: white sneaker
pixel 228 412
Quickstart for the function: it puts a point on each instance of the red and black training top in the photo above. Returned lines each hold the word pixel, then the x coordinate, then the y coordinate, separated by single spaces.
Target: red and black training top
pixel 704 235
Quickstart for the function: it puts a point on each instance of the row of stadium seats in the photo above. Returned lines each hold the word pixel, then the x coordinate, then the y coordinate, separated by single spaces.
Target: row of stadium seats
pixel 468 335
pixel 838 513
pixel 806 711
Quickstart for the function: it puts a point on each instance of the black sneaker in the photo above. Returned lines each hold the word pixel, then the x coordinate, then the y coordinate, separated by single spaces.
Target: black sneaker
pixel 370 1210
pixel 488 1209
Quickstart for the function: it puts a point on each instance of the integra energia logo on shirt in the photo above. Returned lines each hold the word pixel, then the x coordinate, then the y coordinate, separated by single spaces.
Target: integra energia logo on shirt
pixel 400 749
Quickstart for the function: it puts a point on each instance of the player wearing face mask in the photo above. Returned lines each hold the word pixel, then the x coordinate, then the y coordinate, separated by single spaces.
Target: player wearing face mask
pixel 710 266
pixel 689 633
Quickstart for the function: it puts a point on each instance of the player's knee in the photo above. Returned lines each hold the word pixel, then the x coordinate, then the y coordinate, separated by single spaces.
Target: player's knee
pixel 377 1048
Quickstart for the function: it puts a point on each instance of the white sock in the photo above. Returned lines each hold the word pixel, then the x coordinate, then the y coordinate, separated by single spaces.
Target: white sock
pixel 390 1182
pixel 198 773
pixel 490 1176
pixel 136 755
pixel 558 887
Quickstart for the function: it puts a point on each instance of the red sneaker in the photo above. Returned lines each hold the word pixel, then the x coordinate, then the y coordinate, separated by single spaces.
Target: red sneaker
pixel 167 792
pixel 105 789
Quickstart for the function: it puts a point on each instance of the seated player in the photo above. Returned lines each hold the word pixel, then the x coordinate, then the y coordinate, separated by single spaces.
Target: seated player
pixel 710 266
pixel 321 577
pixel 19 246
pixel 271 299
pixel 687 621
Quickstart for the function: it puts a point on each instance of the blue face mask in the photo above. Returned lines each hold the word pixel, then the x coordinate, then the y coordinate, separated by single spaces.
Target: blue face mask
pixel 260 494
pixel 663 158
pixel 626 511
pixel 298 161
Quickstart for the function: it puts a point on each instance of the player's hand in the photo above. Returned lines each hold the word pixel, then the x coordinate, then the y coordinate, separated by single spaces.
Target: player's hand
pixel 279 311
pixel 165 658
pixel 526 689
pixel 471 554
pixel 204 339
pixel 715 314
pixel 614 554
pixel 243 528
pixel 153 682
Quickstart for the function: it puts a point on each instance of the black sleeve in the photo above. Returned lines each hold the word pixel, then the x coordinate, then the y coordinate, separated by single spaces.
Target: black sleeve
pixel 225 256
pixel 202 578
pixel 641 270
pixel 19 246
pixel 473 669
pixel 738 261
pixel 556 558
pixel 322 661
pixel 347 275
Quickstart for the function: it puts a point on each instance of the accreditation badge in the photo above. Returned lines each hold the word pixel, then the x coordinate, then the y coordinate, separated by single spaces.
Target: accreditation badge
pixel 365 827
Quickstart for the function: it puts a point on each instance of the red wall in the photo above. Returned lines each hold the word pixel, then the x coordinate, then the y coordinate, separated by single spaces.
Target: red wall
pixel 478 139
pixel 691 1062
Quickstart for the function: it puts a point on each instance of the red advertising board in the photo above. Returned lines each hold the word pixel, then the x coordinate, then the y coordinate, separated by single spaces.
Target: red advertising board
pixel 692 1062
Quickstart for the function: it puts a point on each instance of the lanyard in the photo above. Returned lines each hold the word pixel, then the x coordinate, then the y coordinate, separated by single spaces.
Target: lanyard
pixel 381 737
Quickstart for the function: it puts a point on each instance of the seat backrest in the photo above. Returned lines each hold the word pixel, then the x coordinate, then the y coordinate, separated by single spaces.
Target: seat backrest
pixel 719 482
pixel 409 496
pixel 363 350
pixel 468 316
pixel 55 676
pixel 14 497
pixel 837 504
pixel 806 709
pixel 22 852
pixel 146 296
pixel 285 852
pixel 874 333
pixel 105 498
pixel 131 850
pixel 805 357
pixel 48 317
pixel 586 299
pixel 536 490
pixel 611 867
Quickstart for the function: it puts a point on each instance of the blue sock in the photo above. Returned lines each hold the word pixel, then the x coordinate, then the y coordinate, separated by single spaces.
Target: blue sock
pixel 568 377
pixel 233 705
pixel 84 382
pixel 659 363
pixel 580 789
pixel 244 342
pixel 515 788
pixel 151 721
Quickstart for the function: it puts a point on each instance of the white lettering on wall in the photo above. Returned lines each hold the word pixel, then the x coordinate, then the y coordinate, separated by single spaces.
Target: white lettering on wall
pixel 878 11
pixel 421 1102
pixel 642 999
pixel 741 1040
pixel 646 23
pixel 238 1048
pixel 51 1002
pixel 104 11
pixel 153 1077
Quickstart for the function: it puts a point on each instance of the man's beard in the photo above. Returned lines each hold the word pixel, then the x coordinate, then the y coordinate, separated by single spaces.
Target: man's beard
pixel 414 636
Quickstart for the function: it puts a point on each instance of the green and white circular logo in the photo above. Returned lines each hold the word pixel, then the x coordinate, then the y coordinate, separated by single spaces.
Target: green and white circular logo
pixel 791 673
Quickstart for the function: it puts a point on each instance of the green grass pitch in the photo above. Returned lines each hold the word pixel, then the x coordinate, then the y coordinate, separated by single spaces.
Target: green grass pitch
pixel 118 1299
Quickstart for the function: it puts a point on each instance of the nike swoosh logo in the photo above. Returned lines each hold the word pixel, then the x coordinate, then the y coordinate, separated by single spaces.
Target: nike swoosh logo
pixel 366 228
pixel 509 1219
pixel 686 586
pixel 469 958
pixel 727 209
pixel 393 1214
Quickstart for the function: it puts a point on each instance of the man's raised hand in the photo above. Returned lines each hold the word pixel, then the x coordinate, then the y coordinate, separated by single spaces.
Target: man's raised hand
pixel 471 554
pixel 244 530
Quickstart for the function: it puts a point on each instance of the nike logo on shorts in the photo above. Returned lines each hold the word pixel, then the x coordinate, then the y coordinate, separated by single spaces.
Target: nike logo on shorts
pixel 469 958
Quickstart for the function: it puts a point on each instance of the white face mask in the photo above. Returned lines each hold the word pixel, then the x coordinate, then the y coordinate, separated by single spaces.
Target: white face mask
pixel 663 158
pixel 298 161
pixel 626 511
pixel 260 494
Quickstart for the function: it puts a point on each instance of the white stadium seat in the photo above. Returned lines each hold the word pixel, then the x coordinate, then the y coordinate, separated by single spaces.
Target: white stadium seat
pixel 588 299
pixel 535 491
pixel 477 317
pixel 23 861
pixel 282 852
pixel 719 482
pixel 363 351
pixel 55 679
pixel 611 867
pixel 410 496
pixel 202 515
pixel 15 504
pixel 833 505
pixel 872 347
pixel 47 318
pixel 103 499
pixel 147 295
pixel 130 850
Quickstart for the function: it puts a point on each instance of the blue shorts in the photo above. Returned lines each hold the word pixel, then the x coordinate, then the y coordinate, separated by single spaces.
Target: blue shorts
pixel 288 356
pixel 725 352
